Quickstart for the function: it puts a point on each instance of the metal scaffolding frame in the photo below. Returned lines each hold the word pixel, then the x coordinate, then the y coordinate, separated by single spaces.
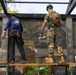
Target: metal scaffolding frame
pixel 3 2
pixel 71 6
pixel 38 2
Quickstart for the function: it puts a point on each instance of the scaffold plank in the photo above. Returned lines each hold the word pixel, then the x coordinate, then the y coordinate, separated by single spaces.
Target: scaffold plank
pixel 37 64
pixel 3 63
pixel 29 64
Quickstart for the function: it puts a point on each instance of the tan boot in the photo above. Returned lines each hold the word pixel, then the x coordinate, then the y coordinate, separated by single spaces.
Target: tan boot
pixel 51 60
pixel 62 60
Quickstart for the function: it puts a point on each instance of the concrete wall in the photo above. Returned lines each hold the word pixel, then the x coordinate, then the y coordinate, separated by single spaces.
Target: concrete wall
pixel 3 50
pixel 0 30
pixel 31 34
pixel 32 45
pixel 74 33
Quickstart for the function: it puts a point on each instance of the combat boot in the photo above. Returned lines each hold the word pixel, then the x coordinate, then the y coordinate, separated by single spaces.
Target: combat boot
pixel 51 60
pixel 62 60
pixel 24 61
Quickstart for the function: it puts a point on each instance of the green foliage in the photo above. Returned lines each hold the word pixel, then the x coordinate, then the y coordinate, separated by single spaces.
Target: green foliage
pixel 9 10
pixel 37 70
pixel 0 7
pixel 12 11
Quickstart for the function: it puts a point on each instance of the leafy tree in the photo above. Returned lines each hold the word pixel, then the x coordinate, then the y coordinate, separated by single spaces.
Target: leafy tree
pixel 0 7
pixel 9 10
pixel 37 70
pixel 12 11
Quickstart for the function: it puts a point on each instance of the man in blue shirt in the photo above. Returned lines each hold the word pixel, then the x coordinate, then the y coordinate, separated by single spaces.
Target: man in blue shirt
pixel 15 35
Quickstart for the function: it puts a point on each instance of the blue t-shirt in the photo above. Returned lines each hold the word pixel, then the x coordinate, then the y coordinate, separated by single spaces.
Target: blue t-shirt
pixel 14 24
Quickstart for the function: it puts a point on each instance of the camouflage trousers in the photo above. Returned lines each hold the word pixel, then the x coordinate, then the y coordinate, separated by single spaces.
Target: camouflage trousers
pixel 53 40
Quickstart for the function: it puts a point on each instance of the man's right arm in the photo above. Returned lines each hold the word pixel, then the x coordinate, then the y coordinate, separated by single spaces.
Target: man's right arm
pixel 7 25
pixel 44 25
pixel 5 28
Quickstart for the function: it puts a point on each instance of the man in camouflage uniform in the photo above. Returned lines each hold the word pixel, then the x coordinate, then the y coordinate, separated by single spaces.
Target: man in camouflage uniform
pixel 53 39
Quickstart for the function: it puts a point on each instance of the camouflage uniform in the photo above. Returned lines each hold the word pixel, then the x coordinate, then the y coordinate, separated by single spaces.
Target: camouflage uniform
pixel 53 38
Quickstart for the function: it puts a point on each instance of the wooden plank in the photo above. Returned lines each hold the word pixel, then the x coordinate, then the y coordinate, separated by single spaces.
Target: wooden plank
pixel 29 64
pixel 36 64
pixel 3 63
